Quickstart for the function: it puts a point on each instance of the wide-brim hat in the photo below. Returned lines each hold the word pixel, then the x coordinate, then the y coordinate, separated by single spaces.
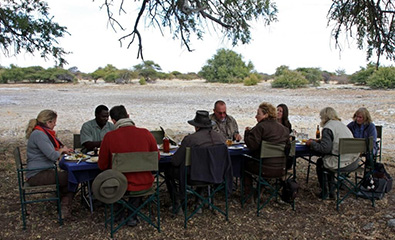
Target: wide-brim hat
pixel 201 119
pixel 109 186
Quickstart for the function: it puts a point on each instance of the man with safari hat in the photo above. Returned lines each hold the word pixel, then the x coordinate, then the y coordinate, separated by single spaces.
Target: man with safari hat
pixel 204 136
pixel 127 138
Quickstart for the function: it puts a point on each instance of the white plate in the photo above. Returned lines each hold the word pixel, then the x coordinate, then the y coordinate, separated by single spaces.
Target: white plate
pixel 236 147
pixel 92 160
pixel 91 153
pixel 166 154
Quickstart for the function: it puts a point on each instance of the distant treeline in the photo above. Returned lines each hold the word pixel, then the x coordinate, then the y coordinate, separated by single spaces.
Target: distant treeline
pixel 226 67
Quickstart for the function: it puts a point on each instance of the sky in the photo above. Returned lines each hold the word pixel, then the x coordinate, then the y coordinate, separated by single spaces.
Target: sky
pixel 300 38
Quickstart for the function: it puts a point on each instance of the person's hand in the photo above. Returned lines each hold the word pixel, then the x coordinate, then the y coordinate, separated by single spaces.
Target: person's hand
pixel 65 150
pixel 308 142
pixel 237 137
pixel 248 128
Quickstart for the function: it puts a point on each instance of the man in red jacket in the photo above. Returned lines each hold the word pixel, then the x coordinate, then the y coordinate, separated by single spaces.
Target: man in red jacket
pixel 127 138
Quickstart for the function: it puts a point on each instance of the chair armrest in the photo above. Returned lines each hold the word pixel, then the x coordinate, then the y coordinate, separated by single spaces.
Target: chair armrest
pixel 250 157
pixel 36 169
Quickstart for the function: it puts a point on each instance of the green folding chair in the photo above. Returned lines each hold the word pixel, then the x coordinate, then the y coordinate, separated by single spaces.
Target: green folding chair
pixel 42 193
pixel 268 151
pixel 77 141
pixel 158 135
pixel 136 162
pixel 379 142
pixel 353 146
pixel 217 155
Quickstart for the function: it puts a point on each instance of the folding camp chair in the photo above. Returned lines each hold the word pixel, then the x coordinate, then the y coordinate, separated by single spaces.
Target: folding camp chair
pixel 51 192
pixel 202 160
pixel 77 141
pixel 379 142
pixel 352 146
pixel 136 162
pixel 268 151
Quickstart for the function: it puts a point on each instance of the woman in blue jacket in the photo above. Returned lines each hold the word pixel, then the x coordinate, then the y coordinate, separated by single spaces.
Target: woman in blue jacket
pixel 363 127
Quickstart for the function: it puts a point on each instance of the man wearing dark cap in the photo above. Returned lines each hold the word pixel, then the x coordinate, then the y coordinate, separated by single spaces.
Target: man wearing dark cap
pixel 204 136
pixel 93 131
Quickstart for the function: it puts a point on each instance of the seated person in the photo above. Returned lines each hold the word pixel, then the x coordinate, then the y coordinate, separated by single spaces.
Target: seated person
pixel 93 131
pixel 43 150
pixel 333 130
pixel 224 124
pixel 128 138
pixel 282 116
pixel 363 127
pixel 203 137
pixel 270 130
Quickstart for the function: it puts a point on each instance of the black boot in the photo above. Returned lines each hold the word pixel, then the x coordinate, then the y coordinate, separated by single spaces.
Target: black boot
pixel 331 185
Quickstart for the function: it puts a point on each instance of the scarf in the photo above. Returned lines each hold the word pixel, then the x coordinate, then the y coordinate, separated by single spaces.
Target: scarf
pixel 124 122
pixel 51 135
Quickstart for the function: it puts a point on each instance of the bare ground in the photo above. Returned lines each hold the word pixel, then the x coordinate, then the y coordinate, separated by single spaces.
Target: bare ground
pixel 170 104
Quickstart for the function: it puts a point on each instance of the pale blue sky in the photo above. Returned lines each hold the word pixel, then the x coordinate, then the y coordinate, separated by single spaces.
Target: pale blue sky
pixel 300 38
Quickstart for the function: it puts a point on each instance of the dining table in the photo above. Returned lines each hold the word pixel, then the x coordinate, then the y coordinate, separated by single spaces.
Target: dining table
pixel 81 174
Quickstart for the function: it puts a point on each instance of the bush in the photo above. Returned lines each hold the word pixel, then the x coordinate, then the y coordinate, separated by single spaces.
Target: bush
pixel 251 80
pixel 313 75
pixel 289 79
pixel 142 81
pixel 226 66
pixel 361 77
pixel 382 78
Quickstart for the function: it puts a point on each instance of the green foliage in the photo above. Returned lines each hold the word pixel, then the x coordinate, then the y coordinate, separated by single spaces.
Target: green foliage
pixel 361 77
pixel 290 79
pixel 251 80
pixel 56 74
pixel 142 81
pixel 280 70
pixel 370 22
pixel 187 18
pixel 26 25
pixel 313 75
pixel 384 77
pixel 148 70
pixel 227 67
pixel 35 74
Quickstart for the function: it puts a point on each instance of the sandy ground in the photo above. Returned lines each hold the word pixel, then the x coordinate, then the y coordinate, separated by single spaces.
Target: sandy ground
pixel 171 103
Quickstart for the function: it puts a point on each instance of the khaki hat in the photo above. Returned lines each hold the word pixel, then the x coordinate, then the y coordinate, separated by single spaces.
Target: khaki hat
pixel 109 186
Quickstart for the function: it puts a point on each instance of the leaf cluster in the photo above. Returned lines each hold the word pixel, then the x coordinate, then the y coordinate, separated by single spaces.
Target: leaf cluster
pixel 371 22
pixel 187 18
pixel 26 25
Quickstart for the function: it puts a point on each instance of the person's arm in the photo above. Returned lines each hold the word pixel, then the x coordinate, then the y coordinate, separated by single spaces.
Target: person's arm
pixel 87 138
pixel 46 147
pixel 326 143
pixel 253 138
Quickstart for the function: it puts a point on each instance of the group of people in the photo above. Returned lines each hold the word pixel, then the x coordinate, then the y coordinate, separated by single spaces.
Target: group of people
pixel 120 135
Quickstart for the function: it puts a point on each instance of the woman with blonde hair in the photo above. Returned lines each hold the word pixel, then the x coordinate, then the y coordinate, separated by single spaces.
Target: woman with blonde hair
pixel 362 126
pixel 333 130
pixel 43 150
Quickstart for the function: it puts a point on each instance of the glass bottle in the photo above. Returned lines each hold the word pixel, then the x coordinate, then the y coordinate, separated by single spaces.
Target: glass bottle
pixel 318 133
pixel 166 145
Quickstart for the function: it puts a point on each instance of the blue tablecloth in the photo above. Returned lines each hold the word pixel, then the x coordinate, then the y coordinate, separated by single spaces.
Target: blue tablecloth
pixel 79 173
pixel 83 172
